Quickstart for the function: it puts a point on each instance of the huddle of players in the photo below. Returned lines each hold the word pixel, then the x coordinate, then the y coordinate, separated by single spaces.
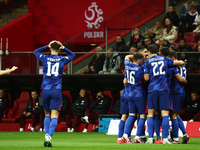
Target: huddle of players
pixel 165 77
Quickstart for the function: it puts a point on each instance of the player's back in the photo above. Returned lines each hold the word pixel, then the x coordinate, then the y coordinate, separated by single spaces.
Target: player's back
pixel 53 66
pixel 134 77
pixel 157 68
pixel 177 87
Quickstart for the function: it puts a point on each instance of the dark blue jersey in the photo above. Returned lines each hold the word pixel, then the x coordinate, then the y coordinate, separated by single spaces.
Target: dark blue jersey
pixel 134 77
pixel 157 68
pixel 177 87
pixel 53 66
pixel 170 76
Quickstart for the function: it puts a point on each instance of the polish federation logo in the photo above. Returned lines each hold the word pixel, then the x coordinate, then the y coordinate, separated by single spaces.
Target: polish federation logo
pixel 93 16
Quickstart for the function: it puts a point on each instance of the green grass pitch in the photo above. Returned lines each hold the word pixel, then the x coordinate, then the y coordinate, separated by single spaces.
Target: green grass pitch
pixel 81 141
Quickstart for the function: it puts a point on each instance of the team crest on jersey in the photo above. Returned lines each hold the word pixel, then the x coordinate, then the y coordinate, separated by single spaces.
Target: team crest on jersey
pixel 95 16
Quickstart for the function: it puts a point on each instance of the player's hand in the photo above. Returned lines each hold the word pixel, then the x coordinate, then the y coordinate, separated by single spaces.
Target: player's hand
pixel 24 113
pixel 13 68
pixel 61 46
pixel 51 43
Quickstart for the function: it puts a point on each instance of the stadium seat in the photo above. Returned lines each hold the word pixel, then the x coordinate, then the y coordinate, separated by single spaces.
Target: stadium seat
pixel 24 97
pixel 68 94
pixel 88 92
pixel 193 45
pixel 175 45
pixel 179 36
pixel 107 92
pixel 191 37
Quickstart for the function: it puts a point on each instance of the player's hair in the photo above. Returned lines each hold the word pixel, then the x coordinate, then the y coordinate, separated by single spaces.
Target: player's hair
pixel 141 50
pixel 137 57
pixel 101 92
pixel 172 53
pixel 164 50
pixel 55 46
pixel 140 47
pixel 152 48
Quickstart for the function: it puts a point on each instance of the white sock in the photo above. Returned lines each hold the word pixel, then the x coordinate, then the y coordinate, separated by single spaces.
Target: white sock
pixel 72 130
pixel 40 129
pixel 137 137
pixel 86 117
pixel 119 139
pixel 68 129
pixel 175 139
pixel 21 129
pixel 32 129
pixel 125 135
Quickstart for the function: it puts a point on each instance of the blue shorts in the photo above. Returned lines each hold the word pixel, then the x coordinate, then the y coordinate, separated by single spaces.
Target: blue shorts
pixel 52 99
pixel 136 104
pixel 177 101
pixel 124 103
pixel 158 100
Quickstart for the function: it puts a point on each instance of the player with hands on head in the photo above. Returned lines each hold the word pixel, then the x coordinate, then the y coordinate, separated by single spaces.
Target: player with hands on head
pixel 53 66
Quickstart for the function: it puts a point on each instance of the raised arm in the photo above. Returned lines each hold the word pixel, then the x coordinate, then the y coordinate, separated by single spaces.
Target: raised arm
pixel 38 51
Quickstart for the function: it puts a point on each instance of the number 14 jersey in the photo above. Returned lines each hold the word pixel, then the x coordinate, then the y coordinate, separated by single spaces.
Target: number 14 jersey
pixel 157 67
pixel 53 66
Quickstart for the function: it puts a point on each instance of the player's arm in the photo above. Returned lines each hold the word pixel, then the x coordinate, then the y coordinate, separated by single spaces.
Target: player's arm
pixel 3 72
pixel 129 57
pixel 146 77
pixel 38 51
pixel 178 63
pixel 125 81
pixel 181 79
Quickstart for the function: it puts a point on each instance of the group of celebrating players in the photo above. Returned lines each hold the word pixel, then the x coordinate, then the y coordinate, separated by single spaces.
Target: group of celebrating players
pixel 165 77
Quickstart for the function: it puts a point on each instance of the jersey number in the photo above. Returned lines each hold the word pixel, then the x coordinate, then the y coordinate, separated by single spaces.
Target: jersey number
pixel 130 77
pixel 182 72
pixel 52 69
pixel 155 65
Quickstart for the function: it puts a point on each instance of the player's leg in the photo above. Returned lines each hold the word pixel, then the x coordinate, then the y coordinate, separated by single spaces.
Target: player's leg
pixel 54 122
pixel 175 127
pixel 152 100
pixel 124 112
pixel 141 107
pixel 157 124
pixel 121 127
pixel 130 120
pixel 164 106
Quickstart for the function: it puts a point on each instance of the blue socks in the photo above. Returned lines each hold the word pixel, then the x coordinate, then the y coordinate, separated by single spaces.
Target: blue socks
pixel 140 127
pixel 157 125
pixel 165 127
pixel 121 128
pixel 175 127
pixel 47 120
pixel 129 124
pixel 150 126
pixel 52 126
pixel 181 125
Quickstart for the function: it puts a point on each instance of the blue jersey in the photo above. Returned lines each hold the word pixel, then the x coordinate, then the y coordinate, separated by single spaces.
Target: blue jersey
pixel 53 66
pixel 134 77
pixel 177 87
pixel 157 68
pixel 170 75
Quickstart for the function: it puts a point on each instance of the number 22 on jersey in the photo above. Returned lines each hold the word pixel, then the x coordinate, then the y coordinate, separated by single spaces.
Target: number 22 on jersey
pixel 52 70
pixel 155 65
